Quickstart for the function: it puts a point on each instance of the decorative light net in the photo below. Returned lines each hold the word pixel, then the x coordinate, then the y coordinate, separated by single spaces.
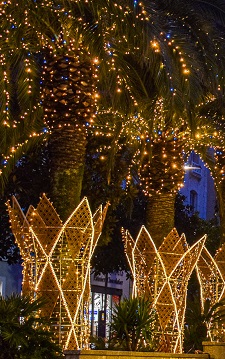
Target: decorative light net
pixel 162 275
pixel 56 264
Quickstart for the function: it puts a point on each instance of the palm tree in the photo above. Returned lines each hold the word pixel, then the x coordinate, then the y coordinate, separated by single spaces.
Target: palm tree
pixel 165 122
pixel 48 79
pixel 202 323
pixel 48 47
pixel 162 173
pixel 133 325
pixel 22 334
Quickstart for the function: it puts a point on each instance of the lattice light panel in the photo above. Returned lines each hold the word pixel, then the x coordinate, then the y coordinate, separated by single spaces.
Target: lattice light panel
pixel 56 264
pixel 162 275
pixel 211 275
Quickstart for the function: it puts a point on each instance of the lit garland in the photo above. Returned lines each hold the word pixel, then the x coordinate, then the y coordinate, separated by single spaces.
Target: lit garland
pixel 56 264
pixel 162 276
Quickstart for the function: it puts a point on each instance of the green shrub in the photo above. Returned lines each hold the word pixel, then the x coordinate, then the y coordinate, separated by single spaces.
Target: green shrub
pixel 133 325
pixel 23 335
pixel 203 324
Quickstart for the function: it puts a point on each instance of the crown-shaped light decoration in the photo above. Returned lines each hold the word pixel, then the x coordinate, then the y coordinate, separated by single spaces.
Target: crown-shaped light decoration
pixel 211 275
pixel 56 264
pixel 162 275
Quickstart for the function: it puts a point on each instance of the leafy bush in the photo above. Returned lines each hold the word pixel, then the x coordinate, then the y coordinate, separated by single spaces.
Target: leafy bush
pixel 133 325
pixel 23 335
pixel 203 324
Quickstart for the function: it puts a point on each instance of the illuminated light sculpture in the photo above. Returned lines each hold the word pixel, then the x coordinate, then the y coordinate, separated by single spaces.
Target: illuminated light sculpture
pixel 56 264
pixel 211 275
pixel 162 275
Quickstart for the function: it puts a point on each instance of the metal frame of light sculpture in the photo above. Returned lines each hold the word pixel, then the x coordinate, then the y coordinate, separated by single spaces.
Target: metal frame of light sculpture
pixel 56 264
pixel 211 276
pixel 162 275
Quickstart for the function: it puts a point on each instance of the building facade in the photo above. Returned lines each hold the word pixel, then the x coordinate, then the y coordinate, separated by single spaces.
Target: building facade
pixel 106 291
pixel 199 188
pixel 10 279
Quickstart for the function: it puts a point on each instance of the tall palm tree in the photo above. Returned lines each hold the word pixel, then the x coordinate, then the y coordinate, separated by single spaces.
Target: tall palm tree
pixel 190 72
pixel 202 77
pixel 48 79
pixel 171 58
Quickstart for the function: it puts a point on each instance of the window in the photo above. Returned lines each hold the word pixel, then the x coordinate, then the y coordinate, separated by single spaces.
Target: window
pixel 2 286
pixel 195 158
pixel 193 201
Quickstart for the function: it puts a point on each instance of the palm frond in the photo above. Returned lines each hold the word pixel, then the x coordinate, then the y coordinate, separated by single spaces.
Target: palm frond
pixel 10 160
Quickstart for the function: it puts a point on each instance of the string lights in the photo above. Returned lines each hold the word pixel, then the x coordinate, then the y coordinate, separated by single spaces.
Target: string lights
pixel 162 276
pixel 68 93
pixel 211 276
pixel 56 264
pixel 70 84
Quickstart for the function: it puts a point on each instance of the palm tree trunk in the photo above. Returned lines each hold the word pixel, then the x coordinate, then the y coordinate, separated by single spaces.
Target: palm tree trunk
pixel 162 177
pixel 68 99
pixel 67 154
pixel 160 216
pixel 220 189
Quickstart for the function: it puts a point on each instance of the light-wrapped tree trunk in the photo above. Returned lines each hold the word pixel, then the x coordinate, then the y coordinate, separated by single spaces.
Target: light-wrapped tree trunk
pixel 68 98
pixel 162 177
